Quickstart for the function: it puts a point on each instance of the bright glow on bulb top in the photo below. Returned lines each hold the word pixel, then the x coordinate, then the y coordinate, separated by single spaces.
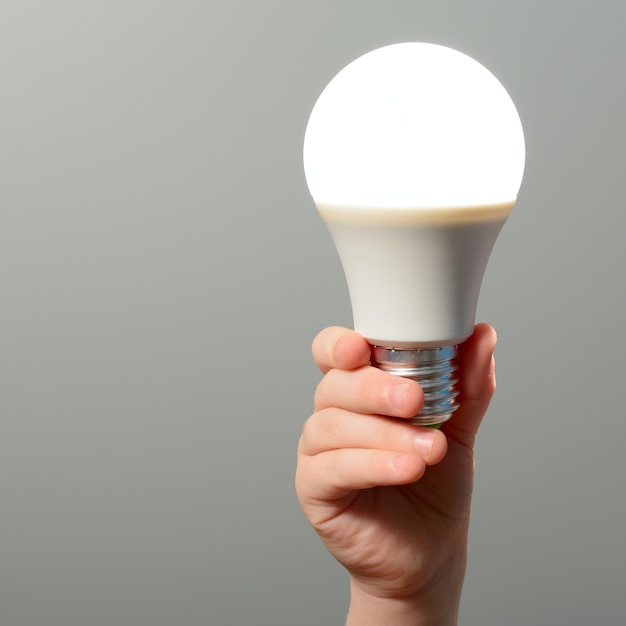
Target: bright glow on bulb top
pixel 414 125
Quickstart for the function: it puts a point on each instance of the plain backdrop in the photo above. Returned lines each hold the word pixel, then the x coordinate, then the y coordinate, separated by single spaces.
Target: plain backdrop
pixel 163 272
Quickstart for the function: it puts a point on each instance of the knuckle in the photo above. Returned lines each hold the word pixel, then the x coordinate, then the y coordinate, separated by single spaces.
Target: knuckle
pixel 328 424
pixel 320 398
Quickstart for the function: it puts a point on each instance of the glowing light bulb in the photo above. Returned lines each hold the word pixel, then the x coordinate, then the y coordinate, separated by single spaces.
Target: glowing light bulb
pixel 414 155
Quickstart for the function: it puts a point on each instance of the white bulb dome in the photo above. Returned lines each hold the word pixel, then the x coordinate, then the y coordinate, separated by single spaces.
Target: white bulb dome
pixel 414 125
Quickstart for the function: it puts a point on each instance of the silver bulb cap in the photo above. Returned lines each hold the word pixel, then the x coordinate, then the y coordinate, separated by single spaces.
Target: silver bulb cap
pixel 435 369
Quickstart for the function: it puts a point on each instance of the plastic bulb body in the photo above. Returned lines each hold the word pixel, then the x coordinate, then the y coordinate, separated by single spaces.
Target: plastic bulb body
pixel 414 277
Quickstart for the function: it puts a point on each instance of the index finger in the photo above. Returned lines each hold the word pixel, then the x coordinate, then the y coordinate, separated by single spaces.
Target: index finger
pixel 340 348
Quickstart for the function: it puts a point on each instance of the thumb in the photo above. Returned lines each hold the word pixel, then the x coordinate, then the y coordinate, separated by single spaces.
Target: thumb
pixel 477 384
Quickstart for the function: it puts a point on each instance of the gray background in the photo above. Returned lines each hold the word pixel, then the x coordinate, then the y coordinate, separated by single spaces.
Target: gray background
pixel 163 271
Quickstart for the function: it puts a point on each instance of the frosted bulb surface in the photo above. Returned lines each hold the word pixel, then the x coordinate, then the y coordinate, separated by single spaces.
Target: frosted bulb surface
pixel 414 125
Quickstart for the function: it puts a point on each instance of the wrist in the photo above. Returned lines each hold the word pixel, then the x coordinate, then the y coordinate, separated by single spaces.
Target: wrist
pixel 367 609
pixel 433 602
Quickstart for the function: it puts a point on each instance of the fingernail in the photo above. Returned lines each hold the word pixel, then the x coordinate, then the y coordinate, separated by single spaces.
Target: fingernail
pixel 338 352
pixel 398 395
pixel 424 443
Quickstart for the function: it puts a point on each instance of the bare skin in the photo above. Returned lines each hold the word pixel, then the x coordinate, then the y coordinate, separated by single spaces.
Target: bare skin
pixel 390 500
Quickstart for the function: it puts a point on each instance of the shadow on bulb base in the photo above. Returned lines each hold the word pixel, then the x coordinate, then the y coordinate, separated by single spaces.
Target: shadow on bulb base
pixel 435 369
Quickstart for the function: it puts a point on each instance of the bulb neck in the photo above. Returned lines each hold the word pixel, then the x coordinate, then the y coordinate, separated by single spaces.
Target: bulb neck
pixel 435 369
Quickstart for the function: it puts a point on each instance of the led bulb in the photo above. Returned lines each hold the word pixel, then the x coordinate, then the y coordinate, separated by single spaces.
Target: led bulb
pixel 414 155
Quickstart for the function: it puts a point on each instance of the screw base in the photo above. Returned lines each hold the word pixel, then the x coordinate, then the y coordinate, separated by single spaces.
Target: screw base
pixel 435 369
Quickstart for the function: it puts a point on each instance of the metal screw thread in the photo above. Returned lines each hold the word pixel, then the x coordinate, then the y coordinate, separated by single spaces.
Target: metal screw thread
pixel 435 369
